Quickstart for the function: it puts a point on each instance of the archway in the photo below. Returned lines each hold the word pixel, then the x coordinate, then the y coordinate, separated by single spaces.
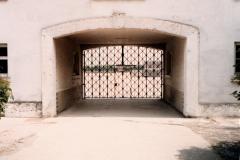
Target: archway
pixel 189 33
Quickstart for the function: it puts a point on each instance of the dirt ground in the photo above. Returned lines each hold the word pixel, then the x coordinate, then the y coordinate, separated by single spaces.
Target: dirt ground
pixel 117 138
pixel 222 133
pixel 107 132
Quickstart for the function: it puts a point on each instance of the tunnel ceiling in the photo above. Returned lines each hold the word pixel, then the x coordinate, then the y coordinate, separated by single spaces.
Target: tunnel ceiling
pixel 120 36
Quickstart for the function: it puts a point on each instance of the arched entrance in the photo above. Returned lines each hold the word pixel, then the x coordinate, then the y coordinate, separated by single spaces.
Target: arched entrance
pixel 150 27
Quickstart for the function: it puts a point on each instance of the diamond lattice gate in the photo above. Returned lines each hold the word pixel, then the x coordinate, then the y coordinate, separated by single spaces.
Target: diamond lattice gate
pixel 123 72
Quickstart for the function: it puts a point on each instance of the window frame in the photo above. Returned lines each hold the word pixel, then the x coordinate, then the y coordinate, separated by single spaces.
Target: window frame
pixel 76 64
pixel 4 58
pixel 236 58
pixel 168 63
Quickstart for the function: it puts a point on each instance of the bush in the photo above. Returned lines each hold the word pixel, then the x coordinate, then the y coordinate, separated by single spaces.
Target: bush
pixel 236 94
pixel 5 94
pixel 236 80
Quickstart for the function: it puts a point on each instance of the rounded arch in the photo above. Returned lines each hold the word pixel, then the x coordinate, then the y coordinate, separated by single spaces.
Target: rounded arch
pixel 191 54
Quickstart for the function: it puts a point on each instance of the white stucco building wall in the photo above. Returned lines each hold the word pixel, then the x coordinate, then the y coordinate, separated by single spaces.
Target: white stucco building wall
pixel 217 20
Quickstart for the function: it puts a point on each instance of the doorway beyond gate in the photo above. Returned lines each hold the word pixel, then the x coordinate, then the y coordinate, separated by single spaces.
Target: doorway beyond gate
pixel 123 71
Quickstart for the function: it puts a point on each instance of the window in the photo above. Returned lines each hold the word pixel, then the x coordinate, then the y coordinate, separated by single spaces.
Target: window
pixel 3 59
pixel 237 62
pixel 168 62
pixel 76 63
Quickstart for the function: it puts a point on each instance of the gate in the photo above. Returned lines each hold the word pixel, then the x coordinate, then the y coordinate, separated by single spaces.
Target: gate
pixel 127 71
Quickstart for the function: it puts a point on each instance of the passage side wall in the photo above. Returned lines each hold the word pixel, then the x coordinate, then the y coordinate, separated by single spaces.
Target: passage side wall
pixel 174 86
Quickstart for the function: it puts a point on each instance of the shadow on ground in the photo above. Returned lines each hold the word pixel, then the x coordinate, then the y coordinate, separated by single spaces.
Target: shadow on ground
pixel 196 153
pixel 121 108
pixel 225 150
pixel 228 150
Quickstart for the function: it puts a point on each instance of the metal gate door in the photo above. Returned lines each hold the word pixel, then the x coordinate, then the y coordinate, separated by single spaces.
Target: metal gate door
pixel 123 72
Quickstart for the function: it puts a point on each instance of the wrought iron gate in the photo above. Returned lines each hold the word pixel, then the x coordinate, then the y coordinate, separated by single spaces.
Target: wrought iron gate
pixel 128 71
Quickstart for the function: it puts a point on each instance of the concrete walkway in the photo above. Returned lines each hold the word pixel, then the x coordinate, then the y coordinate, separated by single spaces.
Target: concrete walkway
pixel 147 108
pixel 101 138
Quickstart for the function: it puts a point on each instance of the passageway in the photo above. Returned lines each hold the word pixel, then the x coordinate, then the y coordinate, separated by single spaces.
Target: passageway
pixel 121 108
pixel 120 72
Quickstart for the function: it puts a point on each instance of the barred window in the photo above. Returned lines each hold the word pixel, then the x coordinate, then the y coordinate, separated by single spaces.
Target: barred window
pixel 76 69
pixel 168 63
pixel 237 60
pixel 3 58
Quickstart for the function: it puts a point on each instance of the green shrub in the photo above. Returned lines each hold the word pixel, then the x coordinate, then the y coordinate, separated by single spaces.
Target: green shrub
pixel 236 80
pixel 236 94
pixel 5 94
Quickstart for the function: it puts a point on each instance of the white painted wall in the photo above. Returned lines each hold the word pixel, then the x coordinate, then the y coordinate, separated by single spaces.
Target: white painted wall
pixel 22 21
pixel 236 20
pixel 64 48
pixel 68 89
pixel 174 93
pixel 177 76
pixel 64 63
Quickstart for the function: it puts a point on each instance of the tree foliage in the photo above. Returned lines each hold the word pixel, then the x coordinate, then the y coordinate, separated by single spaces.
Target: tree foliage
pixel 236 80
pixel 5 94
pixel 236 94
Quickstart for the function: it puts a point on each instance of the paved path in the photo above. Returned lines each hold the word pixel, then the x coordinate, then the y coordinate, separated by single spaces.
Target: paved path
pixel 147 108
pixel 104 139
pixel 101 138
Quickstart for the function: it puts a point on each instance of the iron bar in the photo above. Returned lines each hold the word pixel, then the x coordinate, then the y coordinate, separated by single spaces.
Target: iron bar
pixel 84 75
pixel 138 72
pixel 107 72
pixel 154 72
pixel 146 71
pixel 99 72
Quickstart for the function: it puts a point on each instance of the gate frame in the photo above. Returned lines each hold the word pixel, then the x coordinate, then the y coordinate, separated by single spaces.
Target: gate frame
pixel 191 54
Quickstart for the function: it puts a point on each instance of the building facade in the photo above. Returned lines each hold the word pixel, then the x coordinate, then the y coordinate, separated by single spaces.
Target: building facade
pixel 43 46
